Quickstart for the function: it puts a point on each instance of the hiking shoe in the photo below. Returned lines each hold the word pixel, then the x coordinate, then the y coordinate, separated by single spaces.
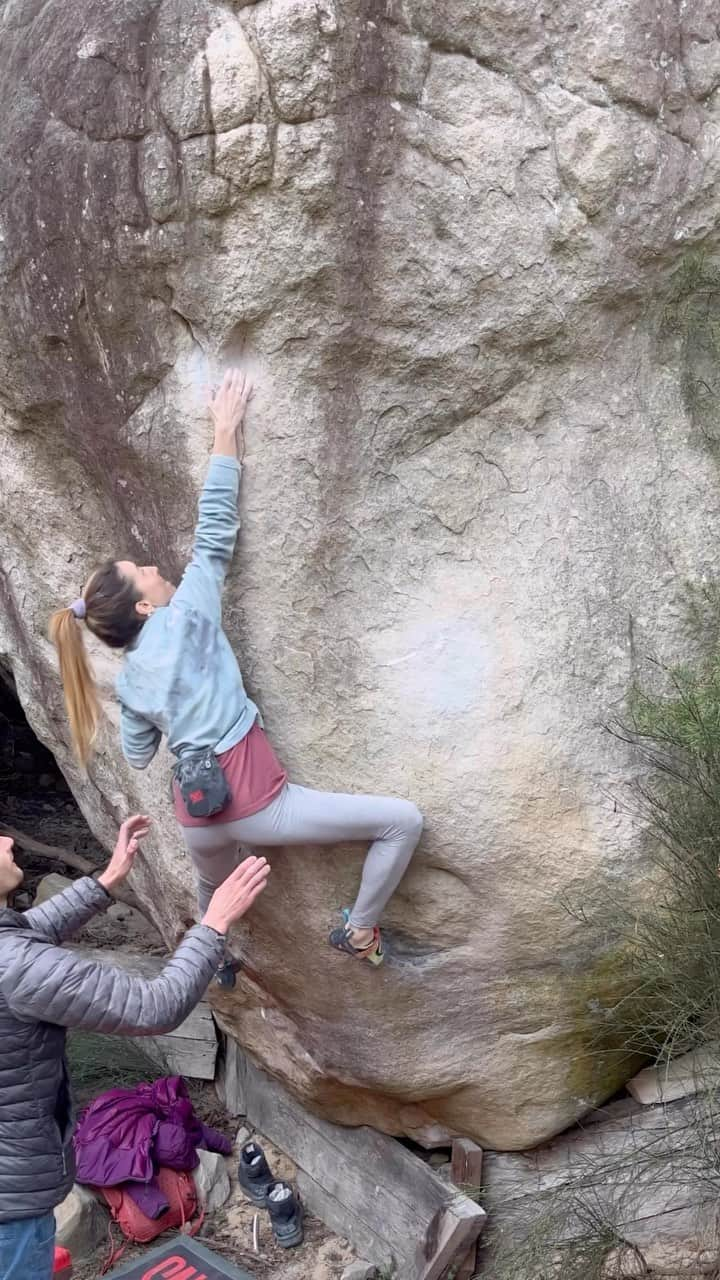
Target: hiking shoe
pixel 226 971
pixel 254 1174
pixel 286 1215
pixel 341 940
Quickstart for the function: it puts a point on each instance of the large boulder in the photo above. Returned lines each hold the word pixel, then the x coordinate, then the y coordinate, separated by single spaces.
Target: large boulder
pixel 453 243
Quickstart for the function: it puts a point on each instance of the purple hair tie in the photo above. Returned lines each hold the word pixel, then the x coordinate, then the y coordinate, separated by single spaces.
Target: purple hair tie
pixel 78 608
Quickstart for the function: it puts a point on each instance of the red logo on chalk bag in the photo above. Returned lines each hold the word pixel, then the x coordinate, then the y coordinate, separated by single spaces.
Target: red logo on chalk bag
pixel 197 796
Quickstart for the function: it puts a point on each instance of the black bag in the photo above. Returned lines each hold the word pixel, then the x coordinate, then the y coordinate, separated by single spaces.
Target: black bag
pixel 203 785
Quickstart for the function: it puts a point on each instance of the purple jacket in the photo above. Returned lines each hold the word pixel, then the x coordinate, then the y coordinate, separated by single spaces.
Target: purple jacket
pixel 127 1134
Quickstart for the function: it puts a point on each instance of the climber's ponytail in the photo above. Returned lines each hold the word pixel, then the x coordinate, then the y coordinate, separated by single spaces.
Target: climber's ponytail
pixel 107 606
pixel 81 697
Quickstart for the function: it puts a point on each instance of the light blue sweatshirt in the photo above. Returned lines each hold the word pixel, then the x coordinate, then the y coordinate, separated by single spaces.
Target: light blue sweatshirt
pixel 180 677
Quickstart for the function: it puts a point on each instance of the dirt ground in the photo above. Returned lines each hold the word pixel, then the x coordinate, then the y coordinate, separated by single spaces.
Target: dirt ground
pixel 229 1232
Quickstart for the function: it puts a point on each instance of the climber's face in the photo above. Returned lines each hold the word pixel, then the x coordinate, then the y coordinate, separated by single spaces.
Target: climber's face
pixel 153 589
pixel 10 874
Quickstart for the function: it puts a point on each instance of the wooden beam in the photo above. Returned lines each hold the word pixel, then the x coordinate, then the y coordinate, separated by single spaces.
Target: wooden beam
pixel 696 1072
pixel 466 1174
pixel 467 1269
pixel 229 1078
pixel 452 1233
pixel 466 1165
pixel 366 1186
pixel 645 1172
pixel 191 1049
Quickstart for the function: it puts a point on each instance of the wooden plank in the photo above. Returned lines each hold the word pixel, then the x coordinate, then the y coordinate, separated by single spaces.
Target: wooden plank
pixel 362 1158
pixel 692 1073
pixel 175 1056
pixel 646 1172
pixel 629 1144
pixel 229 1080
pixel 456 1229
pixel 466 1164
pixel 333 1213
pixel 466 1173
pixel 466 1269
pixel 619 1109
pixel 191 1049
pixel 366 1186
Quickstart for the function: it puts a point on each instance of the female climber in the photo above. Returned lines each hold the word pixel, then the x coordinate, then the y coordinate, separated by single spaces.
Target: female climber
pixel 180 678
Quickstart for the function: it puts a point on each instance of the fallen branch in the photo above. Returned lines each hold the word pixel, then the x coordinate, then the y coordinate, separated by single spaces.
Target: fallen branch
pixel 55 853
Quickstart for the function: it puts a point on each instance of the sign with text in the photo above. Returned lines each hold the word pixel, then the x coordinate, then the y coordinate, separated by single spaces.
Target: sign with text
pixel 180 1259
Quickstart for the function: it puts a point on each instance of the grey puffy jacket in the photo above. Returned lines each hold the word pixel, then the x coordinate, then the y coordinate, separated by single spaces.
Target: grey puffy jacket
pixel 43 990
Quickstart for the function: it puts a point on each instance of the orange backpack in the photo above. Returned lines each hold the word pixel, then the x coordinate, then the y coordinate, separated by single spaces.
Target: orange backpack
pixel 179 1191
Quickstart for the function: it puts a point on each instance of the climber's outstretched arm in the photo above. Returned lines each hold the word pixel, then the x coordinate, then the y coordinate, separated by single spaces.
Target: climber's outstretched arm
pixel 218 523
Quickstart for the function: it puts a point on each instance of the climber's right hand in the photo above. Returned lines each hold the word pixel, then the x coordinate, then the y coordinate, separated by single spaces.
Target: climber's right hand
pixel 227 408
pixel 236 895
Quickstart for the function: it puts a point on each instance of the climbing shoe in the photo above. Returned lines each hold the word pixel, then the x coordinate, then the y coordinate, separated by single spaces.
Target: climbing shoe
pixel 286 1215
pixel 254 1174
pixel 341 940
pixel 225 973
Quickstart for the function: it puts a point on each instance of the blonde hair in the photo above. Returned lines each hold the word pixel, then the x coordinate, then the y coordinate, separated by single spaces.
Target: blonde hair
pixel 109 598
pixel 81 697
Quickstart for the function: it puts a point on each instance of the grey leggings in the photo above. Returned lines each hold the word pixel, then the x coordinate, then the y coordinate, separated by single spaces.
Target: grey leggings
pixel 299 815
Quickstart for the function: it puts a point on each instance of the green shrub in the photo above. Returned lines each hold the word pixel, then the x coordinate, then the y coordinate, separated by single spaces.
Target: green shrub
pixel 663 931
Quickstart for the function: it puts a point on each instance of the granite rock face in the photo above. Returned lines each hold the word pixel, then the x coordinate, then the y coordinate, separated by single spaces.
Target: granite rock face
pixel 453 243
